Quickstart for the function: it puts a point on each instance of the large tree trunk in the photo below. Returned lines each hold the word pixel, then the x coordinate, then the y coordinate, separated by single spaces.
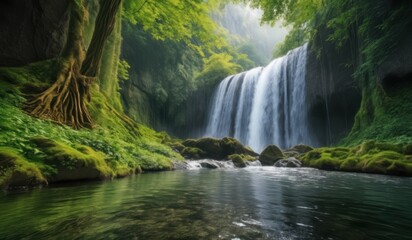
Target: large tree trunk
pixel 65 101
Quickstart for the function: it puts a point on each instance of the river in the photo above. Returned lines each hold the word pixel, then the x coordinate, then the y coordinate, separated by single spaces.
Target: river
pixel 250 203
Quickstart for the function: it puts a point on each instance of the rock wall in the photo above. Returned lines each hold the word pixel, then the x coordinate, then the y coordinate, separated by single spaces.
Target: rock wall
pixel 32 30
pixel 333 94
pixel 161 79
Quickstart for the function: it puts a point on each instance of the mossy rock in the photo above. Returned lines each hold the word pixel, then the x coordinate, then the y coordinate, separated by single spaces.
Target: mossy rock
pixel 176 146
pixel 368 157
pixel 290 162
pixel 192 153
pixel 210 147
pixel 123 171
pixel 73 164
pixel 232 146
pixel 214 148
pixel 240 160
pixel 16 171
pixel 270 155
pixel 300 148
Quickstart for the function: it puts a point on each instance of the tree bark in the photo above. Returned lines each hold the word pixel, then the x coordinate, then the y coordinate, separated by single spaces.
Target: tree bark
pixel 65 101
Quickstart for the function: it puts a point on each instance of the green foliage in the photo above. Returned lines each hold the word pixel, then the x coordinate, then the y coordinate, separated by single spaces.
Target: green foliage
pixel 123 70
pixel 177 20
pixel 114 136
pixel 296 38
pixel 366 24
pixel 217 67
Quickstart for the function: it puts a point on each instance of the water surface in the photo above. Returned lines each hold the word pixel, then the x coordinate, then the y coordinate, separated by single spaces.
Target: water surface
pixel 251 203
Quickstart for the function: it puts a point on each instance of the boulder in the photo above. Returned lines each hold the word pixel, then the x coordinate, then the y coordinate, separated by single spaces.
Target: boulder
pixel 179 165
pixel 289 162
pixel 238 161
pixel 231 146
pixel 214 148
pixel 207 164
pixel 192 153
pixel 241 160
pixel 16 171
pixel 290 153
pixel 270 155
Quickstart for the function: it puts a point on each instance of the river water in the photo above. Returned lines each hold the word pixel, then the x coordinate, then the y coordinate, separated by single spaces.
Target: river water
pixel 250 203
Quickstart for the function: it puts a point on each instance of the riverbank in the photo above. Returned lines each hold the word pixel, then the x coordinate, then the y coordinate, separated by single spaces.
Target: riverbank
pixel 36 152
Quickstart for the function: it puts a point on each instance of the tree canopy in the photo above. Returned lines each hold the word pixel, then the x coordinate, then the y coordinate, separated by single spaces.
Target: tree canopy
pixel 178 20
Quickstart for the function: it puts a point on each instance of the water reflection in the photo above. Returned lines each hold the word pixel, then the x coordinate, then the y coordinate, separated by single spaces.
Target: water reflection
pixel 251 203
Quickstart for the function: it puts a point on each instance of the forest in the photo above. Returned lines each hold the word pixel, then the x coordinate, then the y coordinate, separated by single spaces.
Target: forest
pixel 171 114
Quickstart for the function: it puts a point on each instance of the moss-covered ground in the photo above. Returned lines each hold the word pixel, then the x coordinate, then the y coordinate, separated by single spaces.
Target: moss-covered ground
pixel 123 145
pixel 368 157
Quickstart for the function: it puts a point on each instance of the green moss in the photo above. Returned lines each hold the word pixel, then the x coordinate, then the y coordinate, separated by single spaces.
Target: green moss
pixel 16 171
pixel 349 164
pixel 384 114
pixel 369 157
pixel 244 157
pixel 124 144
pixel 239 160
pixel 62 156
pixel 193 153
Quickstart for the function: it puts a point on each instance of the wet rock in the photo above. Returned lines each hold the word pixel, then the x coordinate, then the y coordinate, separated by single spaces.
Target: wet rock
pixel 290 153
pixel 239 162
pixel 270 155
pixel 179 165
pixel 210 165
pixel 289 162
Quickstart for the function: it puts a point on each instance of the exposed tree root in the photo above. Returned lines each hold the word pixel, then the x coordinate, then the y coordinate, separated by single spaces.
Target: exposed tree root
pixel 64 102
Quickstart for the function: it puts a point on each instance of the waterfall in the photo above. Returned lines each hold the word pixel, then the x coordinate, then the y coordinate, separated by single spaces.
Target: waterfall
pixel 264 105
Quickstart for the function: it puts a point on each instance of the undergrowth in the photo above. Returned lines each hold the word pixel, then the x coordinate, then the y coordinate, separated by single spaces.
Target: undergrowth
pixel 124 144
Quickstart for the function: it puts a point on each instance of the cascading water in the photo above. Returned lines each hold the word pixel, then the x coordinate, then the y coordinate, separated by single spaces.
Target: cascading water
pixel 264 105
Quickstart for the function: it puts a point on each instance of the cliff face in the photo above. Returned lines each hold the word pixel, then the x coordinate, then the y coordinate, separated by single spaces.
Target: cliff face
pixel 376 103
pixel 32 30
pixel 333 95
pixel 398 64
pixel 161 79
